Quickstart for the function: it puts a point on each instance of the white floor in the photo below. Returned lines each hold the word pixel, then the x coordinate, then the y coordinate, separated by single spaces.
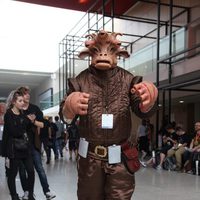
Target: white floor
pixel 150 183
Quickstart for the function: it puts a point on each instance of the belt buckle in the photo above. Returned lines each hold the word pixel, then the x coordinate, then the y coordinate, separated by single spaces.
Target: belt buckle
pixel 101 151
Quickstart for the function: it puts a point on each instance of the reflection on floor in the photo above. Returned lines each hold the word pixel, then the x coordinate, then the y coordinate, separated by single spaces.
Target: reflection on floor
pixel 150 183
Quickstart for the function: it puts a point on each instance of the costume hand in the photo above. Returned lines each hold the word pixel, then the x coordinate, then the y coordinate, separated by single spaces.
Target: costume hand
pixel 148 94
pixel 76 103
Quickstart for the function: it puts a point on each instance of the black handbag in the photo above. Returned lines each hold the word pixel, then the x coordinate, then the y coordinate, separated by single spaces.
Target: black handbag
pixel 21 144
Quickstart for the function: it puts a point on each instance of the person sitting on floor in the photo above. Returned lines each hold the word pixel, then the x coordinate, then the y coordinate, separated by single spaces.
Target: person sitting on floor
pixel 179 148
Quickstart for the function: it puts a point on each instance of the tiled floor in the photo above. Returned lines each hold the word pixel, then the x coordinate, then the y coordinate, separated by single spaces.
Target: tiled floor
pixel 150 183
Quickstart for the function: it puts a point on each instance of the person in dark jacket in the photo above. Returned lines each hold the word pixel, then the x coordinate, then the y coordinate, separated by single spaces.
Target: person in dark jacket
pixel 33 110
pixel 73 137
pixel 103 95
pixel 16 147
pixel 45 135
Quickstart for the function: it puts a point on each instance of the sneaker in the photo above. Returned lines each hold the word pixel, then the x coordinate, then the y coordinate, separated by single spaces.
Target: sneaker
pixel 49 195
pixel 189 172
pixel 25 197
pixel 159 167
pixel 143 164
pixel 15 197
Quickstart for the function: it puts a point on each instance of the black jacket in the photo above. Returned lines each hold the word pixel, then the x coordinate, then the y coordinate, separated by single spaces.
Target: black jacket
pixel 14 127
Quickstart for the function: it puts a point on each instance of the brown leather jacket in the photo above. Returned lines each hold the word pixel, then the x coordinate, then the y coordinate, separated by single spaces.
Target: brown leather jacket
pixel 109 93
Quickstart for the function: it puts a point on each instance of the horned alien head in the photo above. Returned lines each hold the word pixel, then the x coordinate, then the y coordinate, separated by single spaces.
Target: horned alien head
pixel 104 48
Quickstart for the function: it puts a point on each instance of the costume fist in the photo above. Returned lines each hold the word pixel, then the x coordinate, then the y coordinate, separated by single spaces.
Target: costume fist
pixel 148 94
pixel 76 103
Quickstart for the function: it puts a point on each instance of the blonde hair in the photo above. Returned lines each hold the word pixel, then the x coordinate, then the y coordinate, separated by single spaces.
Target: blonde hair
pixel 12 97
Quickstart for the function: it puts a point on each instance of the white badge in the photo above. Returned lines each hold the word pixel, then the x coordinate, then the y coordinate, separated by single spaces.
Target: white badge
pixel 83 147
pixel 107 121
pixel 114 154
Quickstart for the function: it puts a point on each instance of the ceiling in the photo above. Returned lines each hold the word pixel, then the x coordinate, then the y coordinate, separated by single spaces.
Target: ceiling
pixel 85 5
pixel 11 79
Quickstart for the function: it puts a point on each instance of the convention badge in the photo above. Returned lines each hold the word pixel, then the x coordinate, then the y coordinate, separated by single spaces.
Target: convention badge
pixel 107 121
pixel 114 154
pixel 83 147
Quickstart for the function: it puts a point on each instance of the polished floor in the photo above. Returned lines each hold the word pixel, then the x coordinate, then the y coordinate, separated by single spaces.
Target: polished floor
pixel 150 183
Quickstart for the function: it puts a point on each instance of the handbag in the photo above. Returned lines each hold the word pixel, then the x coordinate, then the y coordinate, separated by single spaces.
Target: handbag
pixel 21 144
pixel 130 157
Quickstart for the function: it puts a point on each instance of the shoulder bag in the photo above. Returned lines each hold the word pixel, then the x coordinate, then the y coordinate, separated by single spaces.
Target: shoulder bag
pixel 22 143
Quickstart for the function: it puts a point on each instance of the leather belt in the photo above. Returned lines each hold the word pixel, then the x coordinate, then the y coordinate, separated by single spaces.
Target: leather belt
pixel 99 150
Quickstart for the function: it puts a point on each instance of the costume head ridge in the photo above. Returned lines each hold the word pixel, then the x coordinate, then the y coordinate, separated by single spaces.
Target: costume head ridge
pixel 103 48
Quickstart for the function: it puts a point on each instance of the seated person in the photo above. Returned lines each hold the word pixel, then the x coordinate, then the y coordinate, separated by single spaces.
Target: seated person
pixel 169 139
pixel 179 148
pixel 193 150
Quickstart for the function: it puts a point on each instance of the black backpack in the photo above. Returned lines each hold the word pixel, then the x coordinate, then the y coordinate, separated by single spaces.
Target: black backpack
pixel 169 163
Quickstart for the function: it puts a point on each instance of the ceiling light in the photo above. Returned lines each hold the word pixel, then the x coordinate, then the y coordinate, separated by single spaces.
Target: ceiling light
pixel 181 101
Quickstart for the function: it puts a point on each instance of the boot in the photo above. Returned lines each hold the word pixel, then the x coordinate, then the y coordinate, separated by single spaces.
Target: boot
pixel 31 197
pixel 15 197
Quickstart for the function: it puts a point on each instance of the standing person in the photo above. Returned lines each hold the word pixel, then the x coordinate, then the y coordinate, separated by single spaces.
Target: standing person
pixel 53 132
pixel 45 135
pixel 143 138
pixel 150 128
pixel 59 136
pixel 15 134
pixel 104 95
pixel 73 137
pixel 36 147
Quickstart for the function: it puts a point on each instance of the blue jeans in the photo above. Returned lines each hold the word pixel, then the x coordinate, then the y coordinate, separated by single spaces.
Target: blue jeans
pixel 59 147
pixel 37 161
pixel 40 170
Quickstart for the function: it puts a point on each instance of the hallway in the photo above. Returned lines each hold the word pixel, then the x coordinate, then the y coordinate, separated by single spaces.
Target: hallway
pixel 150 183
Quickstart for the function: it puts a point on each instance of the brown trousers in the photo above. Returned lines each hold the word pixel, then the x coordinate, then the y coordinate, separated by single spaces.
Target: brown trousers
pixel 98 180
pixel 178 154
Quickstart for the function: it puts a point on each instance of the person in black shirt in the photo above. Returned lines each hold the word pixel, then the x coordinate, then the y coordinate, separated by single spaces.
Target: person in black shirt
pixel 33 110
pixel 15 130
pixel 53 130
pixel 169 139
pixel 45 139
pixel 179 148
pixel 73 137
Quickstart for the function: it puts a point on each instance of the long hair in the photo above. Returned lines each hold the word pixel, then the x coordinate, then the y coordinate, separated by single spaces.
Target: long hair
pixel 12 97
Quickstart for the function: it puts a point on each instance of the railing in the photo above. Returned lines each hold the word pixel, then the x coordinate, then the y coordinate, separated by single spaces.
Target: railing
pixel 143 61
pixel 48 103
